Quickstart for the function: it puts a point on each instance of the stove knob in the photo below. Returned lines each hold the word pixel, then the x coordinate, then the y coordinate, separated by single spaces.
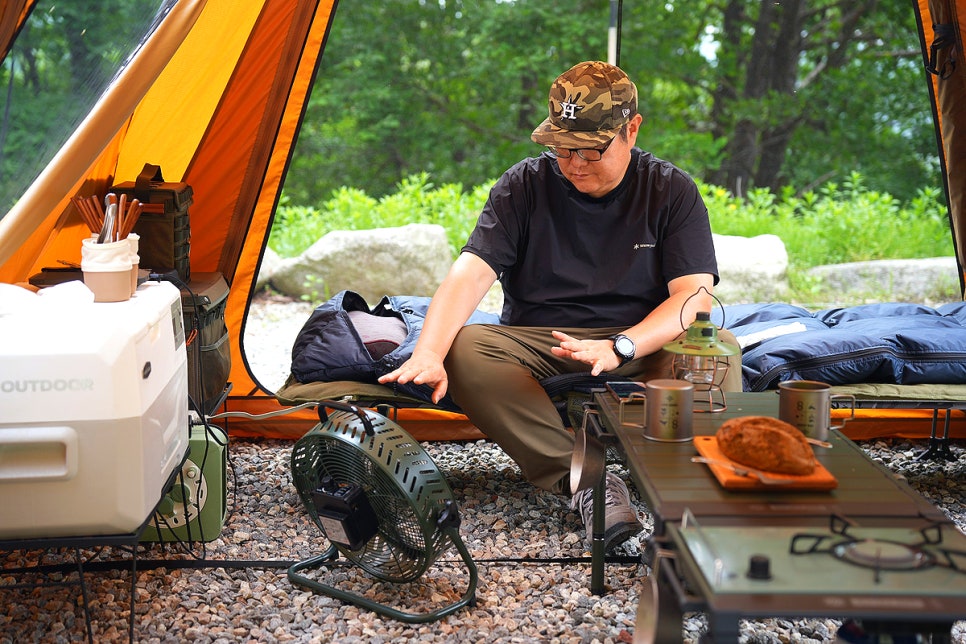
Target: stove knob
pixel 759 567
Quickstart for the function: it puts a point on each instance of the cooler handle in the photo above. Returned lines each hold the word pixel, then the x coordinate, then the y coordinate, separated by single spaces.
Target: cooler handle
pixel 38 454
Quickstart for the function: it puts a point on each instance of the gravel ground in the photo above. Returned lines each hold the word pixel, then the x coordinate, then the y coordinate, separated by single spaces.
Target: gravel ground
pixel 534 570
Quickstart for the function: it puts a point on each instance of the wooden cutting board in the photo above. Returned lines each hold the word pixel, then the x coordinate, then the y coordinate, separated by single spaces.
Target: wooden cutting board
pixel 819 480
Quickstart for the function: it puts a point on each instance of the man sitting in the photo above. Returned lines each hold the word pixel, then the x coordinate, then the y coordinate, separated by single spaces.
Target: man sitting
pixel 601 249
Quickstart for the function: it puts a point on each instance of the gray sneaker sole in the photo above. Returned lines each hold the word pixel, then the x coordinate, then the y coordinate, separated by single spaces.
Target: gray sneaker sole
pixel 620 532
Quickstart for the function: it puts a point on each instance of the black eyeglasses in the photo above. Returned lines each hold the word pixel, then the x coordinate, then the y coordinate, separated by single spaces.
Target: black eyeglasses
pixel 587 154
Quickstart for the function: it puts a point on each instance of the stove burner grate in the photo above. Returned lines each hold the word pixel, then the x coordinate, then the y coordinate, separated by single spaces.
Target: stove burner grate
pixel 880 554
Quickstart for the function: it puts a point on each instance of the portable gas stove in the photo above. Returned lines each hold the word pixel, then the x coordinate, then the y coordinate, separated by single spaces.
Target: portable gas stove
pixel 896 576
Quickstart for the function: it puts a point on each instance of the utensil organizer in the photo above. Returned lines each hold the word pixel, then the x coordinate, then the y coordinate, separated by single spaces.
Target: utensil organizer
pixel 164 226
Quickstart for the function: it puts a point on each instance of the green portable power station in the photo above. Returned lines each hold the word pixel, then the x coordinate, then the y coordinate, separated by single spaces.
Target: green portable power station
pixel 195 507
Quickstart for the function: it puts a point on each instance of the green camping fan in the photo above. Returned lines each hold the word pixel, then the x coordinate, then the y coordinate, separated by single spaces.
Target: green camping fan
pixel 380 501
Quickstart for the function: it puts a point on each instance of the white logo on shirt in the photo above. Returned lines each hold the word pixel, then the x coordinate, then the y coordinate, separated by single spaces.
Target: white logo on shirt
pixel 639 246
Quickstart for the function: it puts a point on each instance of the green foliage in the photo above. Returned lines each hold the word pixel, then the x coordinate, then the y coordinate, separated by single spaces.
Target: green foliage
pixel 449 88
pixel 313 283
pixel 847 93
pixel 62 60
pixel 836 224
pixel 454 89
pixel 416 200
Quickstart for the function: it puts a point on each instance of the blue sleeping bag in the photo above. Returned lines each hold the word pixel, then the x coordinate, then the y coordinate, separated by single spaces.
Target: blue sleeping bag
pixel 896 343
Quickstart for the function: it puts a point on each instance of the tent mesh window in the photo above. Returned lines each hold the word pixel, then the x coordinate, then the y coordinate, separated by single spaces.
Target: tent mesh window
pixel 62 60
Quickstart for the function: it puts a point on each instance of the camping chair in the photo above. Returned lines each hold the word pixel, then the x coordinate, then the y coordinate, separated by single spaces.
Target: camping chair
pixel 571 393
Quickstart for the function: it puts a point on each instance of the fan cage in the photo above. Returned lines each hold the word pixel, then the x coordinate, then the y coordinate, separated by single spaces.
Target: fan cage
pixel 405 488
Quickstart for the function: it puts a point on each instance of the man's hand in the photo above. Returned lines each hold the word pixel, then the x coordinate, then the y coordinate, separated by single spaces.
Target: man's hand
pixel 599 354
pixel 422 368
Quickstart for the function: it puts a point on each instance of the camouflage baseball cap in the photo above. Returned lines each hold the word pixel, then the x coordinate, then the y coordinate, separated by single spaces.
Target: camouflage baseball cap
pixel 589 104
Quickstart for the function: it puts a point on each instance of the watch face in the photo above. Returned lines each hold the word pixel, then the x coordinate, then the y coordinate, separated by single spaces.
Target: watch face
pixel 624 346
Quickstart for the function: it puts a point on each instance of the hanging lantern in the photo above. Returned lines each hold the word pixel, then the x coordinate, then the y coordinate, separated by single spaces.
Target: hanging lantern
pixel 702 359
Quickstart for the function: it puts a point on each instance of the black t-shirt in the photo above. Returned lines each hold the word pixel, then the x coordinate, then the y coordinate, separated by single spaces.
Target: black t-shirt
pixel 566 259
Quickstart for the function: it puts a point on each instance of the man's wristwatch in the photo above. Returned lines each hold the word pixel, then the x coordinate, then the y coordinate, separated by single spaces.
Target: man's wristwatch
pixel 624 347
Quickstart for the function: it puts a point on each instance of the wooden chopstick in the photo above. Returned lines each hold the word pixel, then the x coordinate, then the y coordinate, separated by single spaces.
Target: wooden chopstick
pixel 85 216
pixel 121 204
pixel 130 218
pixel 88 213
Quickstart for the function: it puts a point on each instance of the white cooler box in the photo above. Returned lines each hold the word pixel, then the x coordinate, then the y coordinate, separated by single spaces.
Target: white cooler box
pixel 93 414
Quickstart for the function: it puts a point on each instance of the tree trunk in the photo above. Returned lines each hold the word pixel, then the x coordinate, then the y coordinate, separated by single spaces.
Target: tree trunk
pixel 782 75
pixel 725 93
pixel 771 70
pixel 755 105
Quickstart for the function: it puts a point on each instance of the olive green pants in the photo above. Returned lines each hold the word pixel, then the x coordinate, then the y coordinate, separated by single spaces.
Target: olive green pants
pixel 494 376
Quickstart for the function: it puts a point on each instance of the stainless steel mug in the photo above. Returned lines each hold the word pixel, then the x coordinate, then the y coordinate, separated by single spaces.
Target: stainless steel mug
pixel 807 404
pixel 669 408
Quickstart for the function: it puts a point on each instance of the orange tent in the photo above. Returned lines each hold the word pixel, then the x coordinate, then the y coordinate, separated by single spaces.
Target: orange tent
pixel 263 70
pixel 232 79
pixel 235 98
pixel 941 26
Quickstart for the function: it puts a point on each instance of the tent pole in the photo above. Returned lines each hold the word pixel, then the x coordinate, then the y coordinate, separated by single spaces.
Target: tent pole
pixel 614 33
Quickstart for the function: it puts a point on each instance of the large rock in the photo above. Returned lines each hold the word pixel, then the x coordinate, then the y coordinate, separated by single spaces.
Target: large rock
pixel 408 260
pixel 752 269
pixel 912 280
pixel 267 269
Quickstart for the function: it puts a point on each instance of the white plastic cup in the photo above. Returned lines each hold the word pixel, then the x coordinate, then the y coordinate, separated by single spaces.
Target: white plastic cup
pixel 107 269
pixel 133 239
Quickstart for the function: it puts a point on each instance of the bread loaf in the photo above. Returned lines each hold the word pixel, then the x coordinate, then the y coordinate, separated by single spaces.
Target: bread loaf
pixel 766 444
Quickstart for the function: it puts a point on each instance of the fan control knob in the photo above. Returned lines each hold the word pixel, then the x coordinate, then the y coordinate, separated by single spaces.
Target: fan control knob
pixel 328 484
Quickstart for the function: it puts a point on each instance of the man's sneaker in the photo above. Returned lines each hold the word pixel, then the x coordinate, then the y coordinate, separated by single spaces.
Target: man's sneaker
pixel 620 519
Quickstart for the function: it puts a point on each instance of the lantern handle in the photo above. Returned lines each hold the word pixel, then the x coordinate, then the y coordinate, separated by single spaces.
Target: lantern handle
pixel 697 292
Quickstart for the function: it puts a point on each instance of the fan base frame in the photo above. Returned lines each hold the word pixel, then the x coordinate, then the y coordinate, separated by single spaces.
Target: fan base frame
pixel 319 561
